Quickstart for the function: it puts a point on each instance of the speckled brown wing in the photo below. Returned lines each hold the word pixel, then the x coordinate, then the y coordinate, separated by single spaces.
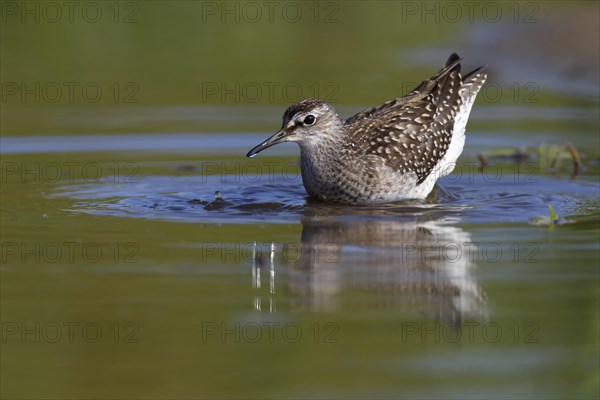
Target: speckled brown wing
pixel 412 133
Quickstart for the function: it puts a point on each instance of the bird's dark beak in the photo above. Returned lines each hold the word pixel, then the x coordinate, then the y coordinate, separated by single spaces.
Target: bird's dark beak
pixel 272 141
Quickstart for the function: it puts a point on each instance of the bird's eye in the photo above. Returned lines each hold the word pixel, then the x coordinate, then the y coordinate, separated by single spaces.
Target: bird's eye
pixel 309 120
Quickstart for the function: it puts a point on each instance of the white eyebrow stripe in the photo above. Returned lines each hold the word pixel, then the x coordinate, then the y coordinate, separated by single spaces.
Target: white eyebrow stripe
pixel 300 115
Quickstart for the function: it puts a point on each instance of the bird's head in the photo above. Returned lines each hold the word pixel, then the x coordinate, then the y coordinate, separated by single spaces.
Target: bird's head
pixel 308 122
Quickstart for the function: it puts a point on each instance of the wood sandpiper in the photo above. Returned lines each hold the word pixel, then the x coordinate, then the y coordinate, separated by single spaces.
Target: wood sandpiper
pixel 391 152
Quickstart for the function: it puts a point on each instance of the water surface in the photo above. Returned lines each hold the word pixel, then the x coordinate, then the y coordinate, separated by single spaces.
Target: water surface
pixel 186 286
pixel 123 275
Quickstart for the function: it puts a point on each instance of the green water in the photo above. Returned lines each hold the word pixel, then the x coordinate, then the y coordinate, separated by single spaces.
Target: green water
pixel 123 277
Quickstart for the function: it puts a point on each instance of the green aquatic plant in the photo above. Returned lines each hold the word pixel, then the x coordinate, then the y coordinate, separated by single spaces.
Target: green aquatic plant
pixel 550 221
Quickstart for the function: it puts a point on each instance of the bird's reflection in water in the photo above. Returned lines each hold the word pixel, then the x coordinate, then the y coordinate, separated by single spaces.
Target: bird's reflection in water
pixel 421 266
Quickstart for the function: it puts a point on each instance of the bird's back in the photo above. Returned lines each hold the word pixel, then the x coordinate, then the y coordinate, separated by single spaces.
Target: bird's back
pixel 421 133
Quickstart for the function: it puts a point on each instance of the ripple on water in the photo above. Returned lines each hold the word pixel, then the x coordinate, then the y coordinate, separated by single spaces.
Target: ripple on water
pixel 278 200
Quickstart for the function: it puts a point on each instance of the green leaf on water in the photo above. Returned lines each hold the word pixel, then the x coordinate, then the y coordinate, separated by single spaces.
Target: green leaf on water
pixel 550 221
pixel 553 216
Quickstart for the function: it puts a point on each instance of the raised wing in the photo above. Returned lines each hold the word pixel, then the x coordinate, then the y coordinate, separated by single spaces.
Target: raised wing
pixel 412 133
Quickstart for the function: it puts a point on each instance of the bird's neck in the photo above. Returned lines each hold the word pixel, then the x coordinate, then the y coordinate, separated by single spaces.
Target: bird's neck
pixel 323 150
pixel 319 162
